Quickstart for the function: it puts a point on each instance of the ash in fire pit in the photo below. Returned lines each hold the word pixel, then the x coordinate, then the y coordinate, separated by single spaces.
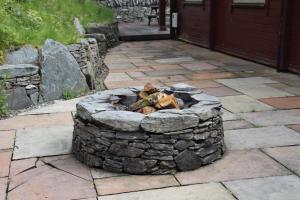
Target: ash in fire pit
pixel 173 129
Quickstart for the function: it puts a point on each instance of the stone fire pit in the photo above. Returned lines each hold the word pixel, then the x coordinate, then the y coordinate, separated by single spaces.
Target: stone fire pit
pixel 108 136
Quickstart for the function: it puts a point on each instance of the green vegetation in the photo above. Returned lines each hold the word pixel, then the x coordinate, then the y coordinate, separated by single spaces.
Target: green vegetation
pixel 3 103
pixel 71 94
pixel 32 21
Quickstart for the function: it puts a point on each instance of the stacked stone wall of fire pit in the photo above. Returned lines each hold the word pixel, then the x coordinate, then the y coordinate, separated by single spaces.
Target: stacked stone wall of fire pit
pixel 109 137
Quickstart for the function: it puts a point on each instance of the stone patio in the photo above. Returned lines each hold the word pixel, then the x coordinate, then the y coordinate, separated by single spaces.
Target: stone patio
pixel 261 120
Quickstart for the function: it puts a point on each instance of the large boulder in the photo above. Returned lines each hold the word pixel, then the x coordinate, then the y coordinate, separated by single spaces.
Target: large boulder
pixel 25 55
pixel 59 72
pixel 18 70
pixel 17 99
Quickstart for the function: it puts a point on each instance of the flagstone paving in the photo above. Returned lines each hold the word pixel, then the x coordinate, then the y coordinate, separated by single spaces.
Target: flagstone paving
pixel 273 118
pixel 3 185
pixel 37 142
pixel 255 138
pixel 211 191
pixel 7 139
pixel 288 156
pixel 283 102
pixel 261 121
pixel 235 165
pixel 243 104
pixel 275 188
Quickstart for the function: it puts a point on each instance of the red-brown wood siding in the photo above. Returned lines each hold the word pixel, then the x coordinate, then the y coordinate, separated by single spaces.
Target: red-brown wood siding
pixel 194 22
pixel 293 41
pixel 248 32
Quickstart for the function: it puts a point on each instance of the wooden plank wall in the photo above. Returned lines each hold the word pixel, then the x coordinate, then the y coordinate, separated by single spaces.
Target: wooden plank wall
pixel 249 32
pixel 194 22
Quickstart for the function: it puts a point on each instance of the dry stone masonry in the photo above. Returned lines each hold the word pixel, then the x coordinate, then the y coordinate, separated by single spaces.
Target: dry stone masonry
pixel 35 75
pixel 131 10
pixel 108 136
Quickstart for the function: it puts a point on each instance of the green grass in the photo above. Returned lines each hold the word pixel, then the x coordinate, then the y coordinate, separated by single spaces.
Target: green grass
pixel 3 102
pixel 33 21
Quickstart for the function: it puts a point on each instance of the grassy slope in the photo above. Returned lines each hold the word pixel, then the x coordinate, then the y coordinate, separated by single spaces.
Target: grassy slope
pixel 32 21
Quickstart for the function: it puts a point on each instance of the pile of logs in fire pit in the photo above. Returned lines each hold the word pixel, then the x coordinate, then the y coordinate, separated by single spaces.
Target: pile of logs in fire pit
pixel 152 99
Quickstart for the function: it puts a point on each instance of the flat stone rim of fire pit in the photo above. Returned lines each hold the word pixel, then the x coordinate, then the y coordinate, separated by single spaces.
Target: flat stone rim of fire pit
pixel 162 142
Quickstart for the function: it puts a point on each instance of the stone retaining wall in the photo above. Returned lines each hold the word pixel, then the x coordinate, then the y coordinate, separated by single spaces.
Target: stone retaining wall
pixel 35 76
pixel 91 62
pixel 131 10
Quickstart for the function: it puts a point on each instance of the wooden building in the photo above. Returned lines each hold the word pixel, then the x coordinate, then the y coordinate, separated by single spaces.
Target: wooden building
pixel 265 31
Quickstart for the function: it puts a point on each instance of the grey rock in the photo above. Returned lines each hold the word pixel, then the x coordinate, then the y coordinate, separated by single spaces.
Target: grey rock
pixel 188 160
pixel 161 122
pixel 125 151
pixel 18 99
pixel 59 72
pixel 140 145
pixel 86 109
pixel 167 164
pixel 78 26
pixel 183 144
pixel 25 55
pixel 161 140
pixel 120 120
pixel 151 152
pixel 205 112
pixel 137 166
pixel 202 136
pixel 203 152
pixel 167 158
pixel 132 135
pixel 18 70
pixel 163 147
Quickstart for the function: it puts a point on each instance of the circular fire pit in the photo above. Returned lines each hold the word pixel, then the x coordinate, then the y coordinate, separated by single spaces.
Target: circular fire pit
pixel 108 136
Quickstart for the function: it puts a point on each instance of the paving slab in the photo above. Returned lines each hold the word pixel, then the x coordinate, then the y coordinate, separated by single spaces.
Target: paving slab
pixel 36 121
pixel 288 156
pixel 100 173
pixel 236 124
pixel 228 116
pixel 234 166
pixel 243 104
pixel 5 157
pixel 19 166
pixel 210 75
pixel 59 106
pixel 273 118
pixel 221 91
pixel 117 77
pixel 166 67
pixel 254 138
pixel 71 165
pixel 202 84
pixel 7 139
pixel 177 60
pixel 199 66
pixel 287 88
pixel 167 72
pixel 275 188
pixel 254 87
pixel 122 84
pixel 283 102
pixel 295 127
pixel 211 191
pixel 3 185
pixel 123 184
pixel 46 182
pixel 37 142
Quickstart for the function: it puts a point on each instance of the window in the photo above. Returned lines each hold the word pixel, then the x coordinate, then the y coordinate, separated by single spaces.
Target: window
pixel 194 1
pixel 249 2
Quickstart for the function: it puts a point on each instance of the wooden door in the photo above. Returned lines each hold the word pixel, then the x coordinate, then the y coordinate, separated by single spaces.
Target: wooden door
pixel 248 31
pixel 293 36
